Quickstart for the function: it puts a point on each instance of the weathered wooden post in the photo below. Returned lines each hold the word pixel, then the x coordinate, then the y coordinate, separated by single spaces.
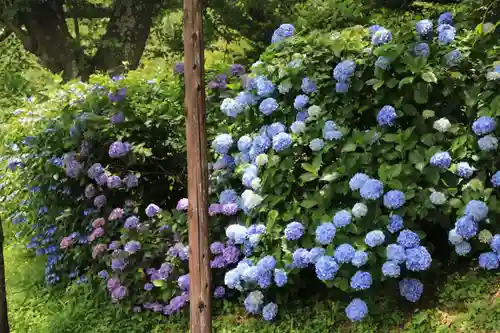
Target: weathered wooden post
pixel 194 102
pixel 4 320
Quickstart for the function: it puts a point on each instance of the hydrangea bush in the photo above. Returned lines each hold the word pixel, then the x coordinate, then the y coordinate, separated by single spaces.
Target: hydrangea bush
pixel 350 154
pixel 354 153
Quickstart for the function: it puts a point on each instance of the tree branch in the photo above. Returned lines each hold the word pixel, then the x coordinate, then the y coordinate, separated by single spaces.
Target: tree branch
pixel 89 11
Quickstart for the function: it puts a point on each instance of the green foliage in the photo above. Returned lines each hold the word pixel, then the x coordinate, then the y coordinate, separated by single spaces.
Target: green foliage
pixel 311 186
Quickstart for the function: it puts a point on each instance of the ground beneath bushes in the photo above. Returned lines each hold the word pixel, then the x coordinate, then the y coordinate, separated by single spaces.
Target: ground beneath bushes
pixel 468 302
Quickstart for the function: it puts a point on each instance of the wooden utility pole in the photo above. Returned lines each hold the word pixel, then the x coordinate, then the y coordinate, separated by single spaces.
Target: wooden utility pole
pixel 194 101
pixel 4 320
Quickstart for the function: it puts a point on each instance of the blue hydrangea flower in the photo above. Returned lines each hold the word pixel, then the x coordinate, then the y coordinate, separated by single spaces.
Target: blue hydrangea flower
pixel 372 189
pixel 228 196
pixel 268 263
pixel 284 31
pixel 265 279
pixel 374 28
pixel 344 70
pixel 269 311
pixel 381 36
pixel 360 258
pixel 463 248
pixel 495 243
pixel 395 253
pixel 441 160
pixel 408 239
pixel 495 179
pixel 268 106
pixel 244 143
pixel 302 116
pixel 326 267
pixel 356 310
pixel 477 210
pixel 386 116
pixel 391 269
pixel 454 238
pixel 219 292
pixel 357 181
pixel 282 141
pixel 331 132
pixel 484 125
pixel 344 253
pixel 453 58
pixel 488 143
pixel 264 86
pixel 395 223
pixel 489 260
pixel 301 102
pixel 464 170
pixel 308 86
pixel 222 143
pixel 342 218
pixel 316 144
pixel 342 87
pixel 466 227
pixel 231 107
pixel 446 34
pixel 394 199
pixel 422 50
pixel 245 99
pixel 294 230
pixel 445 18
pixel 361 280
pixel 315 253
pixel 424 27
pixel 374 238
pixel 280 277
pixel 274 129
pixel 300 258
pixel 418 259
pixel 383 63
pixel 411 289
pixel 298 127
pixel 325 233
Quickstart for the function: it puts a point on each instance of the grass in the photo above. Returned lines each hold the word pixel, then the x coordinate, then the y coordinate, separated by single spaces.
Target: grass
pixel 468 302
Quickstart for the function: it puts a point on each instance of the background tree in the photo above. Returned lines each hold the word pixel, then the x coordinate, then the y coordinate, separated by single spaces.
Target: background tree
pixel 4 321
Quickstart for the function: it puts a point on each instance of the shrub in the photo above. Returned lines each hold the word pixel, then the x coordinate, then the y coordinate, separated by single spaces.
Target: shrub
pixel 400 125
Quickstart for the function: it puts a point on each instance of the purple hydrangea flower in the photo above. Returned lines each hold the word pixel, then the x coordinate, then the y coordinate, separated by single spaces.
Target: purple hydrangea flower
pixel 119 149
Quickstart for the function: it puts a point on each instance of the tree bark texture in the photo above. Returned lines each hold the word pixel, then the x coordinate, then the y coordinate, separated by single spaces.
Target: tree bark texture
pixel 4 322
pixel 126 35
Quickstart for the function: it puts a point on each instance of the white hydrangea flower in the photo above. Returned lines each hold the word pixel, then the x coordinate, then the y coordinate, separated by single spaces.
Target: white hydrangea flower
pixel 437 198
pixel 261 160
pixel 285 87
pixel 492 76
pixel 236 233
pixel 485 236
pixel 250 199
pixel 359 210
pixel 314 111
pixel 442 125
pixel 256 183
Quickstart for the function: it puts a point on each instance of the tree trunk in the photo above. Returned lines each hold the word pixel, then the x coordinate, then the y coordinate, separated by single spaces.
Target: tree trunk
pixel 4 321
pixel 49 39
pixel 126 35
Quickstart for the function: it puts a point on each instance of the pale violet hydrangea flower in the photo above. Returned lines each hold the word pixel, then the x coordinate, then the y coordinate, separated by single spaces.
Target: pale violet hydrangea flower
pixel 495 179
pixel 394 199
pixel 360 258
pixel 453 58
pixel 463 248
pixel 342 218
pixel 395 223
pixel 222 143
pixel 268 106
pixel 281 141
pixel 294 230
pixel 424 27
pixel 325 233
pixel 357 181
pixel 308 86
pixel 395 253
pixel 411 289
pixel 381 36
pixel 477 210
pixel 442 160
pixel 422 50
pixel 489 261
pixel 372 189
pixel 488 143
pixel 391 269
pixel 465 170
pixel 454 238
pixel 269 311
pixel 484 125
pixel 282 32
pixel 253 301
pixel 374 238
pixel 356 310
